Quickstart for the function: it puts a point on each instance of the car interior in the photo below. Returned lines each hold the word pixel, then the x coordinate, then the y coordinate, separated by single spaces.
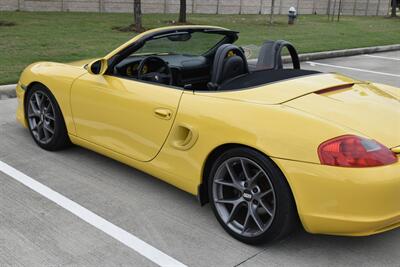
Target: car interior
pixel 223 66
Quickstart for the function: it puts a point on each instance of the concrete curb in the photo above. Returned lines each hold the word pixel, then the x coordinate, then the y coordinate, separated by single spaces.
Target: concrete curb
pixel 7 91
pixel 348 52
pixel 341 53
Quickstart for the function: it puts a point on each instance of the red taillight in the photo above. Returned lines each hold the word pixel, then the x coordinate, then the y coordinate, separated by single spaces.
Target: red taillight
pixel 354 151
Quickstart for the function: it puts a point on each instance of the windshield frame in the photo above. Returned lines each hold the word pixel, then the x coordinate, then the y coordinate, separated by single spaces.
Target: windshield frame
pixel 230 37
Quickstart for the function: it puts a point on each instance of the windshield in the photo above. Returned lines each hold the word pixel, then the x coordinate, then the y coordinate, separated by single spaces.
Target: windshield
pixel 195 43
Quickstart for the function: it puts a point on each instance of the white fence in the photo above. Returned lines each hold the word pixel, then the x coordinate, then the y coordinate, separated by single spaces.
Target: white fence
pixel 348 7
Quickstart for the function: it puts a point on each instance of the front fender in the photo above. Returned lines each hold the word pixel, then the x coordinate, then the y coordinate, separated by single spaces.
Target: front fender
pixel 58 78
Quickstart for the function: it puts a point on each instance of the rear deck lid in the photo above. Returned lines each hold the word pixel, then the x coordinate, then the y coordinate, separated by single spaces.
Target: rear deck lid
pixel 282 91
pixel 362 107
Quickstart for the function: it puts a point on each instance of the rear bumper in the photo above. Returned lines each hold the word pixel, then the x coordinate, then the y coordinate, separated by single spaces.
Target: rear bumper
pixel 345 201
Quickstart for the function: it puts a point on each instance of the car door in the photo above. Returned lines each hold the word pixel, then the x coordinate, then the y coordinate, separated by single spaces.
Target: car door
pixel 127 116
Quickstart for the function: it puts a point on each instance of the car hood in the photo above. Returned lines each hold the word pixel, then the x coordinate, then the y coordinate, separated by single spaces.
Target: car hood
pixel 80 63
pixel 371 110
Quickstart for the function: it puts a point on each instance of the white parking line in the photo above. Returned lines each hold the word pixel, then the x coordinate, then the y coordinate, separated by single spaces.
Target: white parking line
pixel 100 223
pixel 349 68
pixel 381 57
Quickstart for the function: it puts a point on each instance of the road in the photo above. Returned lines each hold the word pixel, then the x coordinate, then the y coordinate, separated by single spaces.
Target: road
pixel 36 231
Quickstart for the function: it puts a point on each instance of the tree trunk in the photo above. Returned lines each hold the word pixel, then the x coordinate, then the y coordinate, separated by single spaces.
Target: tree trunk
pixel 137 13
pixel 182 12
pixel 394 7
pixel 271 16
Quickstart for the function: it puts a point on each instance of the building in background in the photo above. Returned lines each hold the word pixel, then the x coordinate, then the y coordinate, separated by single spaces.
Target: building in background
pixel 348 7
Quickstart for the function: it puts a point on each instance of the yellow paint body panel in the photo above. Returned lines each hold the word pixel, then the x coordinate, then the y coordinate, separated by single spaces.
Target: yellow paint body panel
pixel 343 201
pixel 121 114
pixel 169 133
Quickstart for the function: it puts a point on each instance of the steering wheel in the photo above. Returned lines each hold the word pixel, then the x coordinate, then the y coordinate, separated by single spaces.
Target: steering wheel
pixel 155 69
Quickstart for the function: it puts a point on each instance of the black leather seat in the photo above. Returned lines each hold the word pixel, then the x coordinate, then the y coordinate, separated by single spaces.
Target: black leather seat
pixel 229 62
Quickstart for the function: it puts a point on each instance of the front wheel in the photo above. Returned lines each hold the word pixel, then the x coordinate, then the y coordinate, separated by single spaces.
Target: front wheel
pixel 250 197
pixel 45 120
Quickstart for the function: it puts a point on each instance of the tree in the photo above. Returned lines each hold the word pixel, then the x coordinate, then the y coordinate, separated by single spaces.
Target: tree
pixel 137 14
pixel 394 7
pixel 182 12
pixel 271 15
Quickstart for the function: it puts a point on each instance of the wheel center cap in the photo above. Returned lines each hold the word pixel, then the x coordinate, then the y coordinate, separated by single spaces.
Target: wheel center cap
pixel 247 195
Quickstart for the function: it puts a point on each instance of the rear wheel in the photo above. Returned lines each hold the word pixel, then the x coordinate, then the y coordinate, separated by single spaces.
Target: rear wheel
pixel 250 197
pixel 45 121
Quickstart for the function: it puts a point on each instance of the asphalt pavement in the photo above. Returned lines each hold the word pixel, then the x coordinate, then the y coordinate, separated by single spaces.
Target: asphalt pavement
pixel 38 225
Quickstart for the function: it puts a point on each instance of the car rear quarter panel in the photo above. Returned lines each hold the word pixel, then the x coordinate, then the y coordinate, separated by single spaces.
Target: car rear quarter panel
pixel 58 78
pixel 329 199
pixel 275 130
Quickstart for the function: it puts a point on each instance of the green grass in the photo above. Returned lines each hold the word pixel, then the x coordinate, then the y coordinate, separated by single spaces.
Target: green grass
pixel 64 37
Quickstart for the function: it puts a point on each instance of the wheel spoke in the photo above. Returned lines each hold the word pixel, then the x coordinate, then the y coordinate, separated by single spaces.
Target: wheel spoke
pixel 47 116
pixel 233 185
pixel 246 220
pixel 256 218
pixel 265 208
pixel 254 178
pixel 232 174
pixel 45 132
pixel 38 100
pixel 34 125
pixel 246 175
pixel 34 109
pixel 48 129
pixel 35 134
pixel 265 193
pixel 40 131
pixel 33 115
pixel 234 211
pixel 227 201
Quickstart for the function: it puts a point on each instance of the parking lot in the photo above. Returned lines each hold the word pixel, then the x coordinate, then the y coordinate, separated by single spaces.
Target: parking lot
pixel 34 230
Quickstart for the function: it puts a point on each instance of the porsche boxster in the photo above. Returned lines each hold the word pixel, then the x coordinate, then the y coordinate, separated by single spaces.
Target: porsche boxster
pixel 269 147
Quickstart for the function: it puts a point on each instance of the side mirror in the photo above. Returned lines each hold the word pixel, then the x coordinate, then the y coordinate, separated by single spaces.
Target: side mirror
pixel 97 67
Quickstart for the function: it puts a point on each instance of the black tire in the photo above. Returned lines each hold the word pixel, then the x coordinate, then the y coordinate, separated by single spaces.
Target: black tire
pixel 59 139
pixel 284 220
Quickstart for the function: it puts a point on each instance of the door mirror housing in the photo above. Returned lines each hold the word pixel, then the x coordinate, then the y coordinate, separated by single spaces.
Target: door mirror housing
pixel 98 67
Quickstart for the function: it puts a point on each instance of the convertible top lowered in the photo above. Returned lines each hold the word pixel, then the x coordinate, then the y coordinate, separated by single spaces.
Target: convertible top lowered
pixel 266 146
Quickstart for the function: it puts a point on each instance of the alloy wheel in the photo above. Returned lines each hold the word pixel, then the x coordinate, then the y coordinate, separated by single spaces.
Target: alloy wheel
pixel 41 117
pixel 244 196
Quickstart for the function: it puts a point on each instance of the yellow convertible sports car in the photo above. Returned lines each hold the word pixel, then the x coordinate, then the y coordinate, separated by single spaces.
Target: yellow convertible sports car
pixel 269 148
